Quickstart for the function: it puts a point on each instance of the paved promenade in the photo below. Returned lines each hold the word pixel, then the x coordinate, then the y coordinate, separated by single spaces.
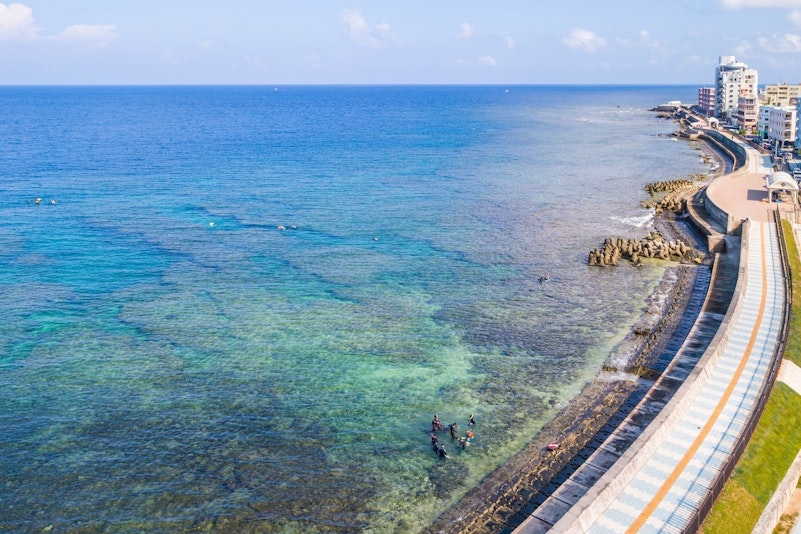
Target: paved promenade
pixel 743 193
pixel 660 482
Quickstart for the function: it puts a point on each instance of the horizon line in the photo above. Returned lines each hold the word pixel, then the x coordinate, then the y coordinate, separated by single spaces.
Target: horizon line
pixel 348 84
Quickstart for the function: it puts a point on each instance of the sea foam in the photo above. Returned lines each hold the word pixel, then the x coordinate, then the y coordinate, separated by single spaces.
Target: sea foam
pixel 643 221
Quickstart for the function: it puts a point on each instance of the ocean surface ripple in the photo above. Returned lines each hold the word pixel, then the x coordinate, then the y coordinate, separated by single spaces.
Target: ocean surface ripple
pixel 243 305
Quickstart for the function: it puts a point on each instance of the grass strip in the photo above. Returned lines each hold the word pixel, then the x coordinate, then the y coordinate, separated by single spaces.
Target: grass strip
pixel 776 441
pixel 792 350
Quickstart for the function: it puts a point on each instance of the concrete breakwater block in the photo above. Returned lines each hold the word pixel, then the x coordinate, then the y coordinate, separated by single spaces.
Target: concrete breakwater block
pixel 652 246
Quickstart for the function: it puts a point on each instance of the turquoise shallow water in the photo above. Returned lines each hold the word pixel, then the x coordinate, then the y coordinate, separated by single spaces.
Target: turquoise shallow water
pixel 159 372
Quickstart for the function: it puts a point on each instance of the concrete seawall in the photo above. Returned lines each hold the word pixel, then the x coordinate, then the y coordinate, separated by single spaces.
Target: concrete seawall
pixel 727 144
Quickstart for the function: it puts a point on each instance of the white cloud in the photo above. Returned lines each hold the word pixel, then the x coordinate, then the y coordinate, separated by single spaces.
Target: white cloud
pixel 794 16
pixel 169 57
pixel 356 27
pixel 581 39
pixel 644 40
pixel 484 61
pixel 743 49
pixel 253 61
pixel 742 4
pixel 205 45
pixel 510 42
pixel 785 43
pixel 16 21
pixel 313 60
pixel 466 31
pixel 100 34
pixel 359 31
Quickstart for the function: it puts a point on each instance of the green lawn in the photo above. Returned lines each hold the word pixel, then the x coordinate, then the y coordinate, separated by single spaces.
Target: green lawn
pixel 776 440
pixel 772 449
pixel 793 349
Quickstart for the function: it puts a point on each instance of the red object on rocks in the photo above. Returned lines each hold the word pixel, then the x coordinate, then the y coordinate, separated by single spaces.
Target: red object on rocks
pixel 553 446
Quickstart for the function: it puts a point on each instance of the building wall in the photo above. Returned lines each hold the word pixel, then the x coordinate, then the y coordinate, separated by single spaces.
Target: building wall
pixel 780 94
pixel 762 121
pixel 782 124
pixel 747 113
pixel 706 100
pixel 797 128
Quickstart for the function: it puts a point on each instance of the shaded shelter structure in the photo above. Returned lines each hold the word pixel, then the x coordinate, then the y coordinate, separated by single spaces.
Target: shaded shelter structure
pixel 781 181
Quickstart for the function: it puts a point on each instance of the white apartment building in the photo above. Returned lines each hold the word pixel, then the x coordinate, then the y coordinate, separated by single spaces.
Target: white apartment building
pixel 762 121
pixel 782 125
pixel 797 129
pixel 731 79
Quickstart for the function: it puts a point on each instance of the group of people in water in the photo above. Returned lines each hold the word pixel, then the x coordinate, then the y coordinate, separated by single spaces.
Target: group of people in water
pixel 38 200
pixel 453 430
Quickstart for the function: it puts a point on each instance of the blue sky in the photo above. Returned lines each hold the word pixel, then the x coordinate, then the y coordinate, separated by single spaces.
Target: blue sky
pixel 414 41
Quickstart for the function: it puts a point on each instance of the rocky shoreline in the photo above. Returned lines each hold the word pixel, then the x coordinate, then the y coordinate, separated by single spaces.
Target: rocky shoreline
pixel 517 487
pixel 488 507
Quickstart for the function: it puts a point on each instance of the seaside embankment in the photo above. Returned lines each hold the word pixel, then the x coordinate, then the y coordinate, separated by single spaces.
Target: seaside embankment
pixel 509 496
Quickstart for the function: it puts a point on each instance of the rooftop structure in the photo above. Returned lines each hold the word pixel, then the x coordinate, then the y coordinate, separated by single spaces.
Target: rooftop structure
pixel 781 181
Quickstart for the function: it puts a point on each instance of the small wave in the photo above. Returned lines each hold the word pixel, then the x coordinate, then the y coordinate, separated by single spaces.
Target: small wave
pixel 637 222
pixel 617 376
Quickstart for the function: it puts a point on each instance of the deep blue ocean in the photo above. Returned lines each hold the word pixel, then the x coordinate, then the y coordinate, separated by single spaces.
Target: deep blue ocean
pixel 236 309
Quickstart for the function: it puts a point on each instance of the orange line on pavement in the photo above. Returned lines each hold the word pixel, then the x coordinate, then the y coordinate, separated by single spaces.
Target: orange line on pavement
pixel 674 475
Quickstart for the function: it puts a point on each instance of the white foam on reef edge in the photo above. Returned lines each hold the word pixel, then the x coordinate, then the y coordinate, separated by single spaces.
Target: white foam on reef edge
pixel 637 222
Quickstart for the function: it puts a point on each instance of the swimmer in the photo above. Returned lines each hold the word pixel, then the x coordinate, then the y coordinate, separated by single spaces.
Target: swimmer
pixel 436 425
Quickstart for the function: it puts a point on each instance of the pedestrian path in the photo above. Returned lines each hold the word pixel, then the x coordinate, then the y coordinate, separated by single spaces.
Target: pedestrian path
pixel 790 374
pixel 661 493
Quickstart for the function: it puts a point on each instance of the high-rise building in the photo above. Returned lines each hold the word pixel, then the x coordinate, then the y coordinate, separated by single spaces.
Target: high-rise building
pixel 732 78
